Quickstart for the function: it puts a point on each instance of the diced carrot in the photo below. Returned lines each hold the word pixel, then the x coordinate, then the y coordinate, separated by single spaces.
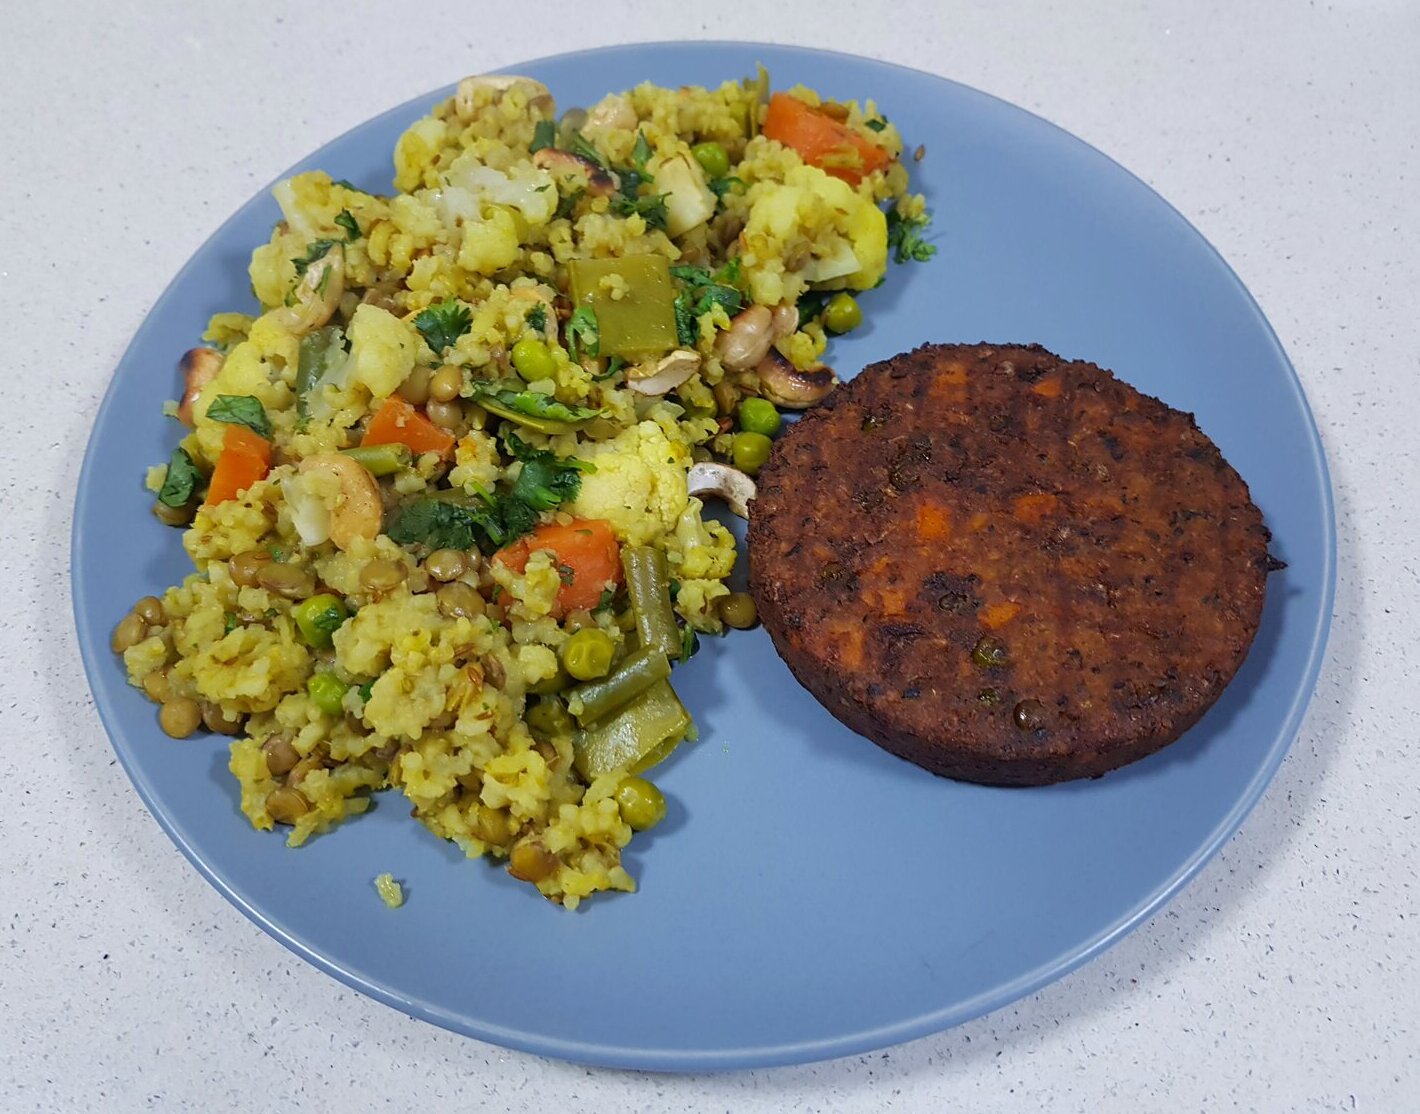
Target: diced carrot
pixel 245 458
pixel 1048 388
pixel 1033 508
pixel 587 557
pixel 821 140
pixel 997 615
pixel 397 422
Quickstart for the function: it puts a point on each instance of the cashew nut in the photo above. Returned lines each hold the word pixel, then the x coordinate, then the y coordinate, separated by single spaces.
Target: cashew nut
pixel 499 85
pixel 357 511
pixel 785 385
pixel 744 344
pixel 318 293
pixel 668 373
pixel 564 164
pixel 612 112
pixel 712 478
pixel 198 367
pixel 786 320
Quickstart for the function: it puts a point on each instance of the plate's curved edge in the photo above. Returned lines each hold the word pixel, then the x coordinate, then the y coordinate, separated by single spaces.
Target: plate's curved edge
pixel 729 1059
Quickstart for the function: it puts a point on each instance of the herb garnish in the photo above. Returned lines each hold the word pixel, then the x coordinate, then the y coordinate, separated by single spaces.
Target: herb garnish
pixel 443 323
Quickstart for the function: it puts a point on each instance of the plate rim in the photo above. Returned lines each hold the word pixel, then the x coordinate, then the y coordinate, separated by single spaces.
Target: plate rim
pixel 92 649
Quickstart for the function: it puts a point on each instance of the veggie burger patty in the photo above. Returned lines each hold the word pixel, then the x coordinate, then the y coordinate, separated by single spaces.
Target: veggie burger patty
pixel 1005 566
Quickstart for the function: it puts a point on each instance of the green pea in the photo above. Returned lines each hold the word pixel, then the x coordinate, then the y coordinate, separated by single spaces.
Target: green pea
pixel 326 691
pixel 642 805
pixel 758 415
pixel 318 618
pixel 737 610
pixel 713 159
pixel 842 314
pixel 587 654
pixel 749 450
pixel 532 360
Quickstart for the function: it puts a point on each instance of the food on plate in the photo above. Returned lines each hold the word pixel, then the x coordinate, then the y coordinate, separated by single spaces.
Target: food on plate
pixel 1005 566
pixel 444 491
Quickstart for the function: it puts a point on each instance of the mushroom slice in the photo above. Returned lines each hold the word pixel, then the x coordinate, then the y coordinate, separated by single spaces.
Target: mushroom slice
pixel 785 385
pixel 499 84
pixel 564 164
pixel 668 374
pixel 198 367
pixel 723 482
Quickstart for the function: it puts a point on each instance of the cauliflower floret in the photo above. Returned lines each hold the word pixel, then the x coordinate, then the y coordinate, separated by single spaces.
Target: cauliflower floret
pixel 639 485
pixel 491 244
pixel 844 235
pixel 382 351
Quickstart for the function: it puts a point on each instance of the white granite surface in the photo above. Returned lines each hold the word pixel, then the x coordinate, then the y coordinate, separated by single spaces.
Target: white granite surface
pixel 1286 977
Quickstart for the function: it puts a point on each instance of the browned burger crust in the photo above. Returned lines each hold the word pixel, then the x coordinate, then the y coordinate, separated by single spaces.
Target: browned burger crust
pixel 1004 566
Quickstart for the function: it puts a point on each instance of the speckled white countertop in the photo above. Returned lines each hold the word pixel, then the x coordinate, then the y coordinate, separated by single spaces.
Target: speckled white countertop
pixel 1286 977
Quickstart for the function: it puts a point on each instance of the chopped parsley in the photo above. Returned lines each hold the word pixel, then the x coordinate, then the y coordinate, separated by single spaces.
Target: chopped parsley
pixel 181 481
pixel 443 323
pixel 365 691
pixel 608 597
pixel 443 524
pixel 230 622
pixel 584 335
pixel 544 135
pixel 811 305
pixel 537 317
pixel 346 220
pixel 905 237
pixel 567 574
pixel 241 410
pixel 876 124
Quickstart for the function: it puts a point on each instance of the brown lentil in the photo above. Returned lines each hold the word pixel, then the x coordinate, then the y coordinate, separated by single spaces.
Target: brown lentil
pixel 381 575
pixel 286 805
pixel 150 610
pixel 446 564
pixel 459 601
pixel 244 567
pixel 130 631
pixel 179 716
pixel 531 862
pixel 291 581
pixel 446 383
pixel 281 756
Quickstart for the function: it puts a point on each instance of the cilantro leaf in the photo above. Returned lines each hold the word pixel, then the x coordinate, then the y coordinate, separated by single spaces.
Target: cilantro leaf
pixel 651 209
pixel 701 291
pixel 346 220
pixel 567 204
pixel 641 154
pixel 812 304
pixel 721 186
pixel 451 520
pixel 689 644
pixel 445 524
pixel 876 124
pixel 546 479
pixel 584 334
pixel 443 323
pixel 905 237
pixel 180 482
pixel 544 135
pixel 241 410
pixel 530 403
pixel 315 252
pixel 537 317
pixel 580 145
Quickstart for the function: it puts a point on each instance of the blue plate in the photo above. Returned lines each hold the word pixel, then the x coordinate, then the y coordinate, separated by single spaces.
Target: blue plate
pixel 809 895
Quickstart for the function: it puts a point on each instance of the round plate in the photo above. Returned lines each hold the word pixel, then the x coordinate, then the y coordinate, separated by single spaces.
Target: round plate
pixel 808 895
